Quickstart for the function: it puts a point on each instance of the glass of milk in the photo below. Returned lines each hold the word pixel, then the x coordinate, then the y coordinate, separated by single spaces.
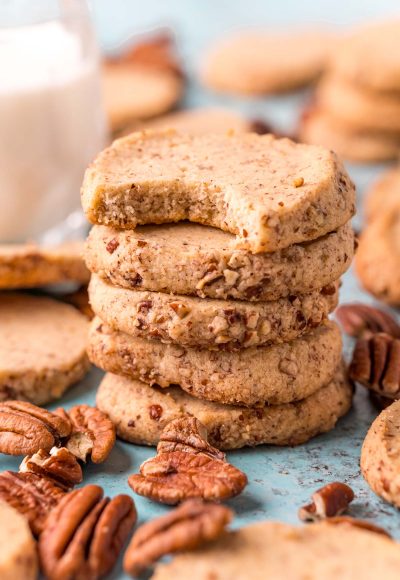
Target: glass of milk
pixel 52 121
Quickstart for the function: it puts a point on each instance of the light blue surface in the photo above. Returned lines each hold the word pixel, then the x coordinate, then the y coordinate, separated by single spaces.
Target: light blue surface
pixel 280 479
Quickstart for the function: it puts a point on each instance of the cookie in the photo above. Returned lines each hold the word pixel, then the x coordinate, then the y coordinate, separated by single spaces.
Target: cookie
pixel 377 262
pixel 194 322
pixel 197 260
pixel 281 551
pixel 380 455
pixel 270 192
pixel 42 347
pixel 140 413
pixel 383 195
pixel 31 266
pixel 18 556
pixel 369 57
pixel 262 62
pixel 276 375
pixel 318 128
pixel 357 108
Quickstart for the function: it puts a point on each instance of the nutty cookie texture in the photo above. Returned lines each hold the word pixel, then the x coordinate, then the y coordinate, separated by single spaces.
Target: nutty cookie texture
pixel 270 192
pixel 18 557
pixel 280 551
pixel 214 324
pixel 42 347
pixel 196 260
pixel 380 455
pixel 253 376
pixel 140 413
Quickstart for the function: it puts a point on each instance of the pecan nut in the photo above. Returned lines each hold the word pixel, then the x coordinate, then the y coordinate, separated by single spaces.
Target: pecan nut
pixel 187 467
pixel 84 535
pixel 59 464
pixel 376 364
pixel 32 495
pixel 25 428
pixel 185 528
pixel 361 320
pixel 329 501
pixel 92 435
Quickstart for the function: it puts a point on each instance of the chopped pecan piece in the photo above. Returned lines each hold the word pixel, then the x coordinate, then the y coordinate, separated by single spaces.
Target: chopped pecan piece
pixel 361 320
pixel 363 524
pixel 329 501
pixel 60 464
pixel 185 528
pixel 25 428
pixel 93 434
pixel 84 535
pixel 376 364
pixel 186 466
pixel 32 495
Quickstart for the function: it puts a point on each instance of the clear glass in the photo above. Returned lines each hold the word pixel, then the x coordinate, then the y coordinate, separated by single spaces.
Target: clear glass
pixel 52 120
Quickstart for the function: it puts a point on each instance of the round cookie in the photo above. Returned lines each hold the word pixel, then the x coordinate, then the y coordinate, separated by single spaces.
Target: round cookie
pixel 198 260
pixel 383 195
pixel 271 192
pixel 261 62
pixel 31 266
pixel 357 108
pixel 140 413
pixel 195 322
pixel 255 376
pixel 380 455
pixel 318 128
pixel 281 551
pixel 18 556
pixel 369 57
pixel 42 347
pixel 377 262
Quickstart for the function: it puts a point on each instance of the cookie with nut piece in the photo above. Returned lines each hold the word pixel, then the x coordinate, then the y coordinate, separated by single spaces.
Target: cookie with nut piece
pixel 140 413
pixel 194 322
pixel 18 556
pixel 42 347
pixel 281 551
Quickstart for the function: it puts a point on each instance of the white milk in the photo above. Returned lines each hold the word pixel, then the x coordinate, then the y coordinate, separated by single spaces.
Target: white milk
pixel 51 126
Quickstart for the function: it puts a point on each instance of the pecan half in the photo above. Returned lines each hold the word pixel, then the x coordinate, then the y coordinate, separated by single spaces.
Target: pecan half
pixel 59 464
pixel 376 364
pixel 84 535
pixel 329 501
pixel 32 495
pixel 363 524
pixel 185 528
pixel 186 466
pixel 25 428
pixel 92 435
pixel 361 320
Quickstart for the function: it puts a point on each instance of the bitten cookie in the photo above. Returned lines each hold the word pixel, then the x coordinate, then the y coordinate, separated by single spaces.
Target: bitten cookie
pixel 380 455
pixel 42 347
pixel 140 413
pixel 280 551
pixel 198 260
pixel 261 62
pixel 30 266
pixel 254 376
pixel 195 322
pixel 270 192
pixel 18 556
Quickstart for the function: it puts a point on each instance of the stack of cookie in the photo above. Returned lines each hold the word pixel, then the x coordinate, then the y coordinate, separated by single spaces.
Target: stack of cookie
pixel 357 106
pixel 233 330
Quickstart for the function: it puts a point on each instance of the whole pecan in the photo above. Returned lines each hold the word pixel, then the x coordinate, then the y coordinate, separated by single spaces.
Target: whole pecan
pixel 361 320
pixel 329 501
pixel 376 364
pixel 363 524
pixel 25 428
pixel 187 467
pixel 59 464
pixel 185 528
pixel 84 535
pixel 92 434
pixel 32 495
